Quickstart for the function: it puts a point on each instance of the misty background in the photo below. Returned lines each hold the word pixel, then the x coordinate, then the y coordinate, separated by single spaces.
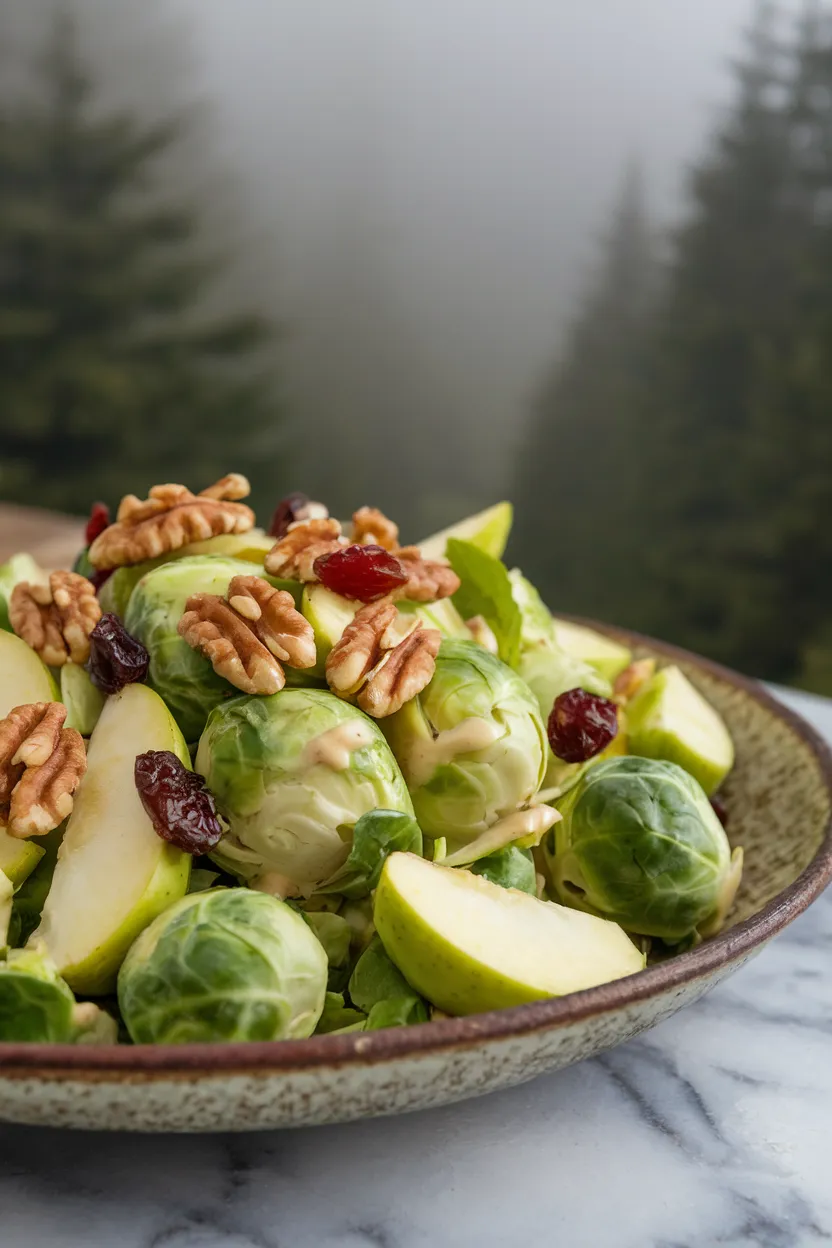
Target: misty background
pixel 438 254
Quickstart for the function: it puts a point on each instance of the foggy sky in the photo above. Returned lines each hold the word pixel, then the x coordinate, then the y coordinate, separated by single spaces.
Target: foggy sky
pixel 461 155
pixel 422 185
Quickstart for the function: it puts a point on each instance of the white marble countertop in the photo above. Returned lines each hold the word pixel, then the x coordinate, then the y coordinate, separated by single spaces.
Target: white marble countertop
pixel 713 1129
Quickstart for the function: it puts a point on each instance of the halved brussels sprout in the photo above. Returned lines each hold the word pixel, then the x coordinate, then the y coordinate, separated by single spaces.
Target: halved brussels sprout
pixel 471 745
pixel 184 679
pixel 227 965
pixel 292 774
pixel 639 843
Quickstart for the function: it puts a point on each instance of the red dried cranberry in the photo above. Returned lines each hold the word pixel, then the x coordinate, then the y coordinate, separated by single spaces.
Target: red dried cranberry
pixel 180 807
pixel 581 725
pixel 116 658
pixel 365 573
pixel 292 509
pixel 99 521
pixel 720 809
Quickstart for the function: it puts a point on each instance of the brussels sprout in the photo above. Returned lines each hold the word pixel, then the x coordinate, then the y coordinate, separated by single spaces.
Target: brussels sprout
pixel 35 1003
pixel 230 964
pixel 19 568
pixel 292 774
pixel 334 933
pixel 6 895
pixel 379 989
pixel 471 745
pixel 510 868
pixel 29 898
pixel 485 591
pixel 184 679
pixel 639 843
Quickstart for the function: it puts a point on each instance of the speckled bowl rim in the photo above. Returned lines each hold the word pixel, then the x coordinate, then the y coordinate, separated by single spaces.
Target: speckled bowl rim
pixel 142 1062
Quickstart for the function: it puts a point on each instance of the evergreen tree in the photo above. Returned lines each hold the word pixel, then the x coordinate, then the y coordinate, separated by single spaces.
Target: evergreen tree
pixel 576 474
pixel 711 492
pixel 114 371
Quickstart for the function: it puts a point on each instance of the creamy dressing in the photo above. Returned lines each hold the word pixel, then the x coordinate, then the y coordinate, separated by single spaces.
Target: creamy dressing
pixel 467 737
pixel 275 884
pixel 334 747
pixel 527 826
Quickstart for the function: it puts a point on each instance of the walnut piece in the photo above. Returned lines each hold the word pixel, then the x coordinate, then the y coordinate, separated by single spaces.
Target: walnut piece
pixel 370 527
pixel 628 682
pixel 170 518
pixel 56 619
pixel 41 765
pixel 427 579
pixel 373 663
pixel 294 555
pixel 248 636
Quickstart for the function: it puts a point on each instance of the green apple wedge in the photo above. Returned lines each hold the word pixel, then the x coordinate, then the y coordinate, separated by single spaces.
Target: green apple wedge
pixel 23 679
pixel 487 530
pixel 668 718
pixel 607 656
pixel 469 945
pixel 114 874
pixel 83 701
pixel 329 614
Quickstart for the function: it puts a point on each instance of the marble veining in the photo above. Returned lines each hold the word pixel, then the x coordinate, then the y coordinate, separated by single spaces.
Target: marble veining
pixel 715 1128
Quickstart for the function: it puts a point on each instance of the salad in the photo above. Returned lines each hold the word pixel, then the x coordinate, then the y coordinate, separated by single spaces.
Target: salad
pixel 260 785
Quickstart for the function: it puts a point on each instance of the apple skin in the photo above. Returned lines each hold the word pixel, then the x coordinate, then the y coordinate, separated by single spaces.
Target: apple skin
pixel 487 530
pixel 655 734
pixel 451 979
pixel 18 857
pixel 23 677
pixel 95 973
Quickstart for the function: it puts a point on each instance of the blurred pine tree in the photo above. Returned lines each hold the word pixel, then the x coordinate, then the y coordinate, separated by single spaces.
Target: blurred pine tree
pixel 115 372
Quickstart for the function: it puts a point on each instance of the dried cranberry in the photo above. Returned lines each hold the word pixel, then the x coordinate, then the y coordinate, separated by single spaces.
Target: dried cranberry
pixel 99 521
pixel 100 577
pixel 720 809
pixel 116 658
pixel 581 725
pixel 365 573
pixel 292 509
pixel 180 807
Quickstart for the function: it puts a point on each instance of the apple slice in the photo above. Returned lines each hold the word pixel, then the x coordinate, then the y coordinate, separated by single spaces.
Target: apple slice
pixel 469 945
pixel 607 656
pixel 488 530
pixel 23 678
pixel 83 701
pixel 114 874
pixel 668 718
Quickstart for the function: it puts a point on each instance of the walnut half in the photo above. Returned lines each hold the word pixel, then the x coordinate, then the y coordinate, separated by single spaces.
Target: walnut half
pixel 41 765
pixel 169 518
pixel 377 665
pixel 56 619
pixel 248 635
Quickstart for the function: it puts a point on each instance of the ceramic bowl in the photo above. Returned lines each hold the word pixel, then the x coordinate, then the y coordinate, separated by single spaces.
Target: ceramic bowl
pixel 780 801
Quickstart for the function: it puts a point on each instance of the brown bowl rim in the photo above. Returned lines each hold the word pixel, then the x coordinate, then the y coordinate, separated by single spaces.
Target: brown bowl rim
pixel 368 1048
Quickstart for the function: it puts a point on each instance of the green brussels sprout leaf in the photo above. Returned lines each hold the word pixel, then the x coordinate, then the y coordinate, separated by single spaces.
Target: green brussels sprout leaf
pixel 202 879
pixel 510 868
pixel 486 590
pixel 377 834
pixel 339 1017
pixel 35 1004
pixel 379 989
pixel 334 933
